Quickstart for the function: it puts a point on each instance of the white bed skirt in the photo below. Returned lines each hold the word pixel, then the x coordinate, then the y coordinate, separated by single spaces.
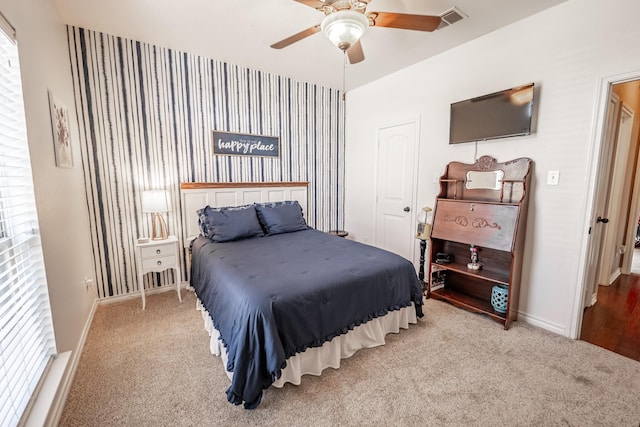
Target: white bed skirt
pixel 314 360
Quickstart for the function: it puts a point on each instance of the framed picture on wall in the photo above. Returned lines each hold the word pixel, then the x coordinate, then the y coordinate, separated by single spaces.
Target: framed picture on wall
pixel 244 144
pixel 61 132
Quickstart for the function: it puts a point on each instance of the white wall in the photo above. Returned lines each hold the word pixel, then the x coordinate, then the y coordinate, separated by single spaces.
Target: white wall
pixel 567 51
pixel 60 195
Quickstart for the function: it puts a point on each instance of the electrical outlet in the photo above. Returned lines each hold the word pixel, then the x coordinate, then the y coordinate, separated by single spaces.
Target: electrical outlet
pixel 87 283
pixel 553 177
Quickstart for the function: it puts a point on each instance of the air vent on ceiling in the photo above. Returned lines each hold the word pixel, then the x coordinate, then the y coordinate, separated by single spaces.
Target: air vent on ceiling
pixel 450 17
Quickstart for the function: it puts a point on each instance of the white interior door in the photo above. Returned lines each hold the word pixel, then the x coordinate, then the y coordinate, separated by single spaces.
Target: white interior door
pixel 609 268
pixel 621 189
pixel 395 188
pixel 601 195
pixel 632 220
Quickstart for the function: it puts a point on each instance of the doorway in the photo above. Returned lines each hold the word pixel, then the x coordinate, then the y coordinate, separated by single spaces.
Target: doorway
pixel 611 317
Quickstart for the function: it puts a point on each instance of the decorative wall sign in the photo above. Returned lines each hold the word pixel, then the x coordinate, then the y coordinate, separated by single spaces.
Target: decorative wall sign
pixel 61 132
pixel 241 144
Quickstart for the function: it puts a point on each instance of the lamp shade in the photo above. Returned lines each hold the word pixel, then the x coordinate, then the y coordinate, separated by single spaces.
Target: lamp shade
pixel 344 27
pixel 155 201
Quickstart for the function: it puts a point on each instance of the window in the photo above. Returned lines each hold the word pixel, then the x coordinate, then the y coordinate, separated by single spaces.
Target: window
pixel 26 330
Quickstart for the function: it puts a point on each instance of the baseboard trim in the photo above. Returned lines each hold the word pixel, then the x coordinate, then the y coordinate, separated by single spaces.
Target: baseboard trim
pixel 614 276
pixel 540 323
pixel 53 418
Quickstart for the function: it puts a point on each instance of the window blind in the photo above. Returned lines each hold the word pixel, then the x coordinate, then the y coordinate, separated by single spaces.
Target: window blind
pixel 26 330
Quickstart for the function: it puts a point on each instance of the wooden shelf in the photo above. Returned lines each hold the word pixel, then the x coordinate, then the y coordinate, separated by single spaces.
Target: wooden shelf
pixel 478 202
pixel 500 278
pixel 468 302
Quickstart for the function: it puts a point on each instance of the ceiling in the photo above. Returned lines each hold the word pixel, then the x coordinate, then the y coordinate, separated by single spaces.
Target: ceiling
pixel 241 31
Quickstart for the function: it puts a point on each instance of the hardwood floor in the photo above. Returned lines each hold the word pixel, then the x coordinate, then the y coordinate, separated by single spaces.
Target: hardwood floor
pixel 614 321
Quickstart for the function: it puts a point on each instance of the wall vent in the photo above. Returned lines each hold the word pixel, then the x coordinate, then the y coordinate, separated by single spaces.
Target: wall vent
pixel 450 17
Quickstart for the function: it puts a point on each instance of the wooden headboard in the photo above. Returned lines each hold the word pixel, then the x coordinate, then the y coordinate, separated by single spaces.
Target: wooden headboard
pixel 197 195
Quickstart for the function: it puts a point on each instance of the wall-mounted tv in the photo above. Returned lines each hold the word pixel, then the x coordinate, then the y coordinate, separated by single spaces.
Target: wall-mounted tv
pixel 497 115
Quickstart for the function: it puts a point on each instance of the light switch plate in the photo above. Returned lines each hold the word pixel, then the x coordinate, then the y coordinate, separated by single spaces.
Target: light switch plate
pixel 553 177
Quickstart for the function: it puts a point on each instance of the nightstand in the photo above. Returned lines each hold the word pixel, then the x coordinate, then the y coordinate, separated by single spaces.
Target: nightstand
pixel 157 256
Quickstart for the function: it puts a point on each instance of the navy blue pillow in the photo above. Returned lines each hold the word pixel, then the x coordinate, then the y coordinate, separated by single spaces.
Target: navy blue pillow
pixel 229 223
pixel 281 217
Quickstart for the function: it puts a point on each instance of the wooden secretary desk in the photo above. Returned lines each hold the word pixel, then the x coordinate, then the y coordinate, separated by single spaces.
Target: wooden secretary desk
pixel 481 212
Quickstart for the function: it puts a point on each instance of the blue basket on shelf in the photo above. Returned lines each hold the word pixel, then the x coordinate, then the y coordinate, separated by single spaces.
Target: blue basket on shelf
pixel 499 298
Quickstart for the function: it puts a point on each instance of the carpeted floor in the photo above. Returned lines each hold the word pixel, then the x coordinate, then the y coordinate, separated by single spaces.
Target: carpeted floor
pixel 153 367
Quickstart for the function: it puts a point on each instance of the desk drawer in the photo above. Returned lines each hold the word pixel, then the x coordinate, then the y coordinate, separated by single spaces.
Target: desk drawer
pixel 158 251
pixel 158 263
pixel 483 224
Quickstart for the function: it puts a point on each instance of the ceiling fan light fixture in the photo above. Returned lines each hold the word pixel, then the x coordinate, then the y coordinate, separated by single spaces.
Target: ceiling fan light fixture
pixel 344 27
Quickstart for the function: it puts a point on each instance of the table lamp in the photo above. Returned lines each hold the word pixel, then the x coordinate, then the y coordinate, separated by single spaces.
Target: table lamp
pixel 156 202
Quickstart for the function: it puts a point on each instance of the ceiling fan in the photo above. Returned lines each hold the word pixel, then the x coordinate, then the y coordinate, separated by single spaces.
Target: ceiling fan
pixel 346 21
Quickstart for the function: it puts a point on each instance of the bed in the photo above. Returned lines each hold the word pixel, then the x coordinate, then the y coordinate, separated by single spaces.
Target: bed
pixel 280 299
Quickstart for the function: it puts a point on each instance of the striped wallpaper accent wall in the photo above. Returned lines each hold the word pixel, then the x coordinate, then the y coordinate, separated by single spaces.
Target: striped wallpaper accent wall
pixel 146 116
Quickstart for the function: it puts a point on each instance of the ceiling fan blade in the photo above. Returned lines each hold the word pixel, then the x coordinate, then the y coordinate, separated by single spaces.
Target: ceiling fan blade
pixel 296 37
pixel 355 53
pixel 316 4
pixel 405 21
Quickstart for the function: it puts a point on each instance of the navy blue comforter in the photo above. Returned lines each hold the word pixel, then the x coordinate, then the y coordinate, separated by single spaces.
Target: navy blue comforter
pixel 271 297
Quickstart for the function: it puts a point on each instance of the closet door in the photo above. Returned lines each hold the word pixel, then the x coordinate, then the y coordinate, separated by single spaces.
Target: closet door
pixel 395 188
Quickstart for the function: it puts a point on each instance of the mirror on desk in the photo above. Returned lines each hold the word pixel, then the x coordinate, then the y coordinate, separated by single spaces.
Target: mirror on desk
pixel 485 180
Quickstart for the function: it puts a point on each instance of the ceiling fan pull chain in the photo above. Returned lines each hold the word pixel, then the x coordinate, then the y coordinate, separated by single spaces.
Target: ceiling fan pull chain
pixel 344 75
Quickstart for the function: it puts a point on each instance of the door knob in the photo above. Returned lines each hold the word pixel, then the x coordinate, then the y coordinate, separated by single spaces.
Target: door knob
pixel 602 220
pixel 406 209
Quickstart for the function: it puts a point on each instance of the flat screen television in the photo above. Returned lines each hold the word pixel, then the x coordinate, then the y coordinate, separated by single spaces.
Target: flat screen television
pixel 497 115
